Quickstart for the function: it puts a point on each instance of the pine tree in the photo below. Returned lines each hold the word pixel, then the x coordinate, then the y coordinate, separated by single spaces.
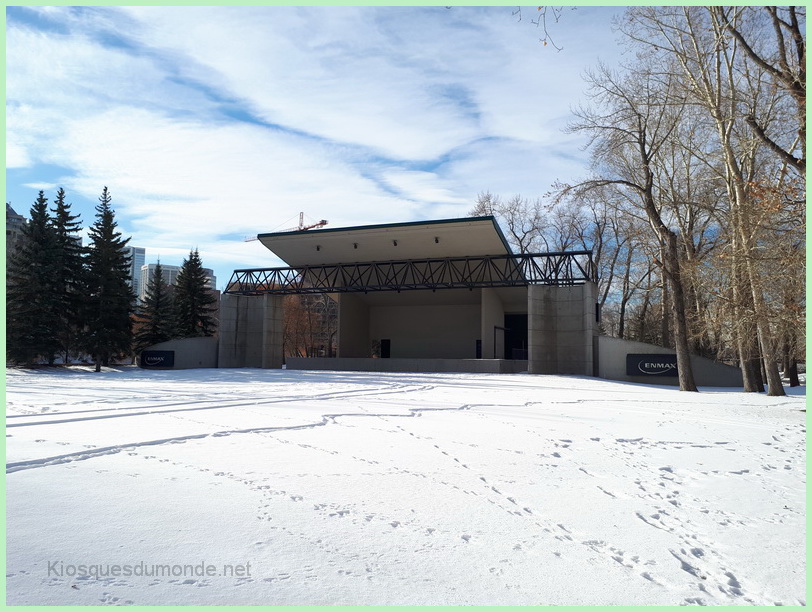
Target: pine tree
pixel 109 299
pixel 31 305
pixel 194 300
pixel 157 313
pixel 69 274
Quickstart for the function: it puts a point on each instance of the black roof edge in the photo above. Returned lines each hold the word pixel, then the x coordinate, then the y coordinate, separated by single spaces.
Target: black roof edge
pixel 490 218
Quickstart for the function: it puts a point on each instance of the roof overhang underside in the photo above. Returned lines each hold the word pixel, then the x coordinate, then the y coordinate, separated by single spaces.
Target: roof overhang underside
pixel 469 237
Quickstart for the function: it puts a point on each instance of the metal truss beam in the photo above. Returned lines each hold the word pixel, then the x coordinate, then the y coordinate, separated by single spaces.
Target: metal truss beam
pixel 565 268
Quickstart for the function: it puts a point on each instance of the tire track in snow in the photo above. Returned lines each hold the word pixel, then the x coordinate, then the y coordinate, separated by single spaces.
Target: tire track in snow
pixel 222 396
pixel 279 400
pixel 111 450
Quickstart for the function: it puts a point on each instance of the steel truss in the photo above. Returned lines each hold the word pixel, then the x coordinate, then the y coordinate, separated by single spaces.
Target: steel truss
pixel 564 268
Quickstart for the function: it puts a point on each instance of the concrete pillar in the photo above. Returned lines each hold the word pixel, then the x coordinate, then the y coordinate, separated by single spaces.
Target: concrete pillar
pixel 492 315
pixel 353 327
pixel 273 331
pixel 561 325
pixel 542 341
pixel 251 331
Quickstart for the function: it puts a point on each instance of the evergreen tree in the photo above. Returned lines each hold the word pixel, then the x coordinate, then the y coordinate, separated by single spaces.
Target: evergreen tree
pixel 156 312
pixel 69 274
pixel 31 305
pixel 193 300
pixel 109 297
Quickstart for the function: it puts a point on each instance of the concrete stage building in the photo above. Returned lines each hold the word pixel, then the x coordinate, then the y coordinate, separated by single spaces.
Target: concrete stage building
pixel 444 295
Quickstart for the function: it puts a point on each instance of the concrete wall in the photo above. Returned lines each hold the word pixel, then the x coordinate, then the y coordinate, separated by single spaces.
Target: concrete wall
pixel 351 364
pixel 353 327
pixel 190 352
pixel 493 314
pixel 251 331
pixel 707 373
pixel 560 329
pixel 426 332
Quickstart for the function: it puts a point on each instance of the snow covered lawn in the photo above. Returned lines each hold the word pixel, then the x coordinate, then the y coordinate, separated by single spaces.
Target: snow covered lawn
pixel 277 487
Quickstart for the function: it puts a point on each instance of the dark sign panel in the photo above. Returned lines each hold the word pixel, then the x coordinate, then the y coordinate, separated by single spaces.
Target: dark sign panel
pixel 157 359
pixel 638 364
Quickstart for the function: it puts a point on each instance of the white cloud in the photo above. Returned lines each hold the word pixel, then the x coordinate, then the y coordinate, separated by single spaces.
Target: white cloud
pixel 41 186
pixel 422 186
pixel 307 69
pixel 371 115
pixel 16 155
pixel 191 179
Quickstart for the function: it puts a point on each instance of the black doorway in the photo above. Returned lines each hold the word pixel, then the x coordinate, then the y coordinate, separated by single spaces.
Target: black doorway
pixel 516 336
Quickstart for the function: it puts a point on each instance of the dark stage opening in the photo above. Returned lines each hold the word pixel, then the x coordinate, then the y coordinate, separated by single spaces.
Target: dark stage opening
pixel 516 336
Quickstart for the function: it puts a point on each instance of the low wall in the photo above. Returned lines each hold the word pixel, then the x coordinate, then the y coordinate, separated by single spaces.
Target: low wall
pixel 361 364
pixel 188 353
pixel 707 373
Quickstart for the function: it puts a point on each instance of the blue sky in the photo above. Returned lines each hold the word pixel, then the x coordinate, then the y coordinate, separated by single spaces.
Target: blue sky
pixel 211 124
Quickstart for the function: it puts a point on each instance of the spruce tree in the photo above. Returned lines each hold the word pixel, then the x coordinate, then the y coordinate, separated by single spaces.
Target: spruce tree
pixel 109 297
pixel 69 274
pixel 157 314
pixel 31 299
pixel 194 302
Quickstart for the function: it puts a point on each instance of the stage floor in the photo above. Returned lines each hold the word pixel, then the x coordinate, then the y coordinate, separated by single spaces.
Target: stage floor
pixel 362 364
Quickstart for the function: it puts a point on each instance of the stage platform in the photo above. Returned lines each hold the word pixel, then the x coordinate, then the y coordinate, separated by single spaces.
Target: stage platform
pixel 360 364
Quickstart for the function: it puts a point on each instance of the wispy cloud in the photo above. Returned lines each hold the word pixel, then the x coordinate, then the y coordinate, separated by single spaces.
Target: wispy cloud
pixel 41 186
pixel 209 123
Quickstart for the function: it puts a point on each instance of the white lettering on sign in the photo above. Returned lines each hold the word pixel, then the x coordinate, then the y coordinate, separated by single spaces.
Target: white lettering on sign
pixel 649 367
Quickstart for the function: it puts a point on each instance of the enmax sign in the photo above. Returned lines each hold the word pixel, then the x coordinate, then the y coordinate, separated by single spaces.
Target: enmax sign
pixel 651 365
pixel 157 359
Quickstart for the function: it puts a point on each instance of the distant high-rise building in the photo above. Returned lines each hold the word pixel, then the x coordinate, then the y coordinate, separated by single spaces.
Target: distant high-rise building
pixel 170 275
pixel 137 257
pixel 14 228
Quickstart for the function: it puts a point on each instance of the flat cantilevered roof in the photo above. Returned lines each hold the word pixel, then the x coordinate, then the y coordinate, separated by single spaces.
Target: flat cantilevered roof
pixel 467 237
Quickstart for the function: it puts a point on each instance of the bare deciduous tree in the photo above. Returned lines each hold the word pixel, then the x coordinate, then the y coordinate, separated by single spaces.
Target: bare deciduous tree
pixel 629 123
pixel 693 40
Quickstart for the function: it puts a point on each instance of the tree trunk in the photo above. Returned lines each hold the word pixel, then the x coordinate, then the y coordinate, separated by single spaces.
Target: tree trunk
pixel 743 329
pixel 642 332
pixel 790 364
pixel 684 369
pixel 794 381
pixel 774 386
pixel 626 292
pixel 751 372
pixel 665 323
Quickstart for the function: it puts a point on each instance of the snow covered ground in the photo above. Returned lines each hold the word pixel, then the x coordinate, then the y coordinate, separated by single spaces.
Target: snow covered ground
pixel 276 487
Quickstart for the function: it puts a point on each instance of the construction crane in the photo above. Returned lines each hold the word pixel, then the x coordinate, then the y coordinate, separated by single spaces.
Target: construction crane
pixel 300 228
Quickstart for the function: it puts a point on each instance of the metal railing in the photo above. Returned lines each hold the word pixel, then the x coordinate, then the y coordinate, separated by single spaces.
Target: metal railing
pixel 564 268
